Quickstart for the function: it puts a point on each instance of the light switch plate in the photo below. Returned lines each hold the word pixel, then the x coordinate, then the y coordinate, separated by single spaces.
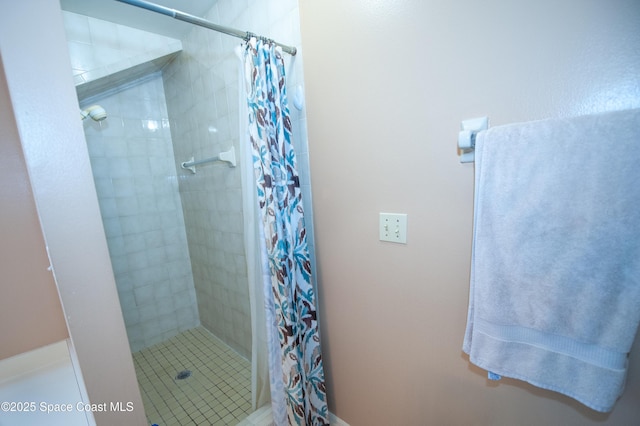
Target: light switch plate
pixel 393 227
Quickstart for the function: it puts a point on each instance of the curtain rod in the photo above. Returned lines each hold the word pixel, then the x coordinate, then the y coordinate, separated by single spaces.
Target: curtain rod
pixel 176 14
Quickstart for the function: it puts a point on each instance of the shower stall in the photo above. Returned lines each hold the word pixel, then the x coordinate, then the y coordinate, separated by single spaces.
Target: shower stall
pixel 176 237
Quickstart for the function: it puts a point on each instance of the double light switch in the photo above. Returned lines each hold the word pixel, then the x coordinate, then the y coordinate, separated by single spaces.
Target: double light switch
pixel 393 227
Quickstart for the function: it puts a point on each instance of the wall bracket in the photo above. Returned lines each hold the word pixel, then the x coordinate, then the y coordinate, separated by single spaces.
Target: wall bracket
pixel 467 137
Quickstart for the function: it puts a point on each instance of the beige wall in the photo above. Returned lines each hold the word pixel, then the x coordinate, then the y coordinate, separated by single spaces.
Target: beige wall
pixel 26 322
pixel 38 73
pixel 387 84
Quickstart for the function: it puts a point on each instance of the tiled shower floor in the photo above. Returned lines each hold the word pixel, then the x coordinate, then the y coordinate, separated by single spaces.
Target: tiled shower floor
pixel 218 392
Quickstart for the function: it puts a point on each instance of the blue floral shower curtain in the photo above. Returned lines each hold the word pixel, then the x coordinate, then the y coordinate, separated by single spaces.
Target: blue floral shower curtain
pixel 281 211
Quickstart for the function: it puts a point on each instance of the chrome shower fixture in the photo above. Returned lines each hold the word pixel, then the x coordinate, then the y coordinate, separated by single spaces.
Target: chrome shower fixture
pixel 96 112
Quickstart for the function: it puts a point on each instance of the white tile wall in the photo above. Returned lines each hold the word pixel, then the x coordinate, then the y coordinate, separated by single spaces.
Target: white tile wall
pixel 135 175
pixel 105 54
pixel 101 47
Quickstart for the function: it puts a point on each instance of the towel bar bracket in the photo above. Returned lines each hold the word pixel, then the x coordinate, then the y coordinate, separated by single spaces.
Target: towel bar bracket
pixel 467 137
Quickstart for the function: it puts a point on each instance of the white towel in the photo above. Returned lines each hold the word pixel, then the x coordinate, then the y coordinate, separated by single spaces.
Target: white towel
pixel 555 275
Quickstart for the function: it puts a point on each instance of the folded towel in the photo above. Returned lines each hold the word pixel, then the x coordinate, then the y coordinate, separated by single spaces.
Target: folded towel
pixel 555 275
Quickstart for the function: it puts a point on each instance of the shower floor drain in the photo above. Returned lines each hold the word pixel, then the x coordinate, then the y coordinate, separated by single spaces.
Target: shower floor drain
pixel 183 374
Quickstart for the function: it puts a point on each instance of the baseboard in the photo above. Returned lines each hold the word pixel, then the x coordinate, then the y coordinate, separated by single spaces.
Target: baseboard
pixel 336 421
pixel 262 417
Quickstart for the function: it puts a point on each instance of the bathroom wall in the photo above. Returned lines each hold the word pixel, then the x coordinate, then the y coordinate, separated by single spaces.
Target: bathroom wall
pixel 26 322
pixel 202 98
pixel 135 175
pixel 134 171
pixel 388 83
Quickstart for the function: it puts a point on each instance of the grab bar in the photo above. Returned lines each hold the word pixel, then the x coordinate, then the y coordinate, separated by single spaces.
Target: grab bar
pixel 227 156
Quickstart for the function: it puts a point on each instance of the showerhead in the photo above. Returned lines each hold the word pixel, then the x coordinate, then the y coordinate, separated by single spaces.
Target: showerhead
pixel 96 112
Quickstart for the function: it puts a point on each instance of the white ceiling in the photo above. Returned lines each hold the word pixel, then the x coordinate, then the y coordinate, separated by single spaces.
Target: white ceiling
pixel 132 16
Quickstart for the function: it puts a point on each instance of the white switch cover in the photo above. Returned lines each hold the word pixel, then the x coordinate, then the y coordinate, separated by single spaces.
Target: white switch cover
pixel 393 227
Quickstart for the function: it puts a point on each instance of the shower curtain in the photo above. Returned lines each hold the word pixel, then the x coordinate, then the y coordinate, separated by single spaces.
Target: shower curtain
pixel 296 374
